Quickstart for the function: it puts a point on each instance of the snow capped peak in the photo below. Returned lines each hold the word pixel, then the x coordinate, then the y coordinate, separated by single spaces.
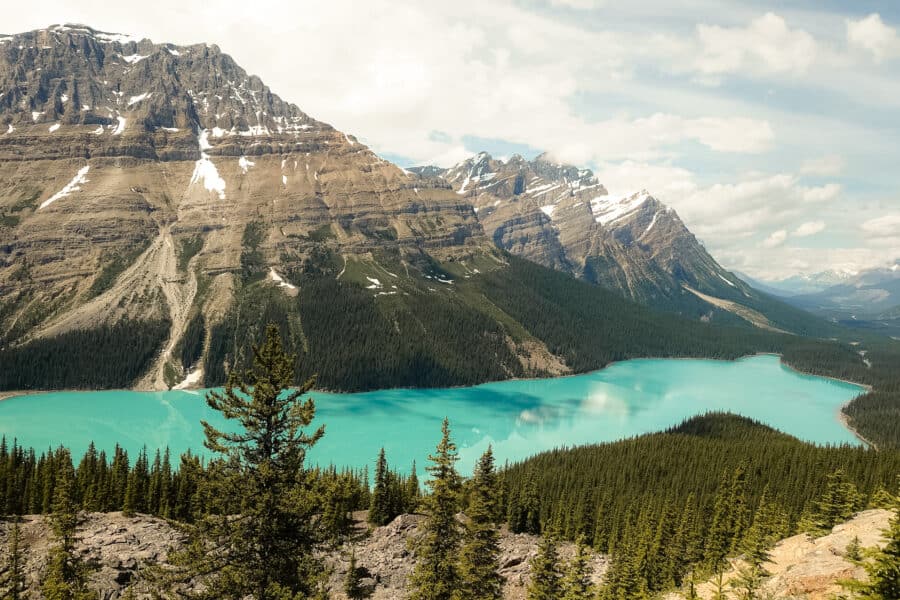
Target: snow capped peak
pixel 609 209
pixel 100 36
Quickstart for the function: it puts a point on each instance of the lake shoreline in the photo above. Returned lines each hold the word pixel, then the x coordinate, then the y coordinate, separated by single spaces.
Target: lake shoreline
pixel 841 416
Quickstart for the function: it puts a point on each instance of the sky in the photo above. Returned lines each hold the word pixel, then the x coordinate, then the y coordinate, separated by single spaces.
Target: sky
pixel 772 127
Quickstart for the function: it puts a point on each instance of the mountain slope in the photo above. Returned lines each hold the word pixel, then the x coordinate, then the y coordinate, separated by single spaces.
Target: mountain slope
pixel 158 206
pixel 561 217
pixel 151 182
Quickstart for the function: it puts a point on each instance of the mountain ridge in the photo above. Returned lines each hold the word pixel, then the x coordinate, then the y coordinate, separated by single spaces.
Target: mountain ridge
pixel 159 188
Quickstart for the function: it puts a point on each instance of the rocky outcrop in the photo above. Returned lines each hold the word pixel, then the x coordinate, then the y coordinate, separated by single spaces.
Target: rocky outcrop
pixel 115 547
pixel 812 568
pixel 119 547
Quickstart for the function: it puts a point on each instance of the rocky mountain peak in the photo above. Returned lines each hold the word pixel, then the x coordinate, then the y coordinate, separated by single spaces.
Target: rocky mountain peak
pixel 133 171
pixel 94 86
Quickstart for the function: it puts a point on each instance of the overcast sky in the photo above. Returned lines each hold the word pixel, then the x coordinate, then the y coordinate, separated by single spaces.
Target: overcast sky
pixel 773 128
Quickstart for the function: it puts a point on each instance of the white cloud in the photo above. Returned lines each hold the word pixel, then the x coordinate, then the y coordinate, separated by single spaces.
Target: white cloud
pixel 721 211
pixel 809 228
pixel 886 226
pixel 766 45
pixel 872 35
pixel 776 239
pixel 619 93
pixel 825 166
pixel 578 4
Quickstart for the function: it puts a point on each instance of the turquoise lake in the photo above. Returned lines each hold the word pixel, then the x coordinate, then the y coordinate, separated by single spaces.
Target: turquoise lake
pixel 519 418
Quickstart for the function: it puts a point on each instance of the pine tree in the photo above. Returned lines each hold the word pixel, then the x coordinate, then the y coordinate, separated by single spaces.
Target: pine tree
pixel 12 578
pixel 66 575
pixel 837 503
pixel 576 583
pixel 266 550
pixel 436 575
pixel 545 578
pixel 380 508
pixel 755 549
pixel 411 491
pixel 853 552
pixel 883 569
pixel 353 581
pixel 480 557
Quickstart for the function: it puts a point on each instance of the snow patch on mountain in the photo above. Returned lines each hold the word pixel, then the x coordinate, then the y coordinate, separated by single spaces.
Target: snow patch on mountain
pixel 204 169
pixel 608 210
pixel 245 164
pixel 73 186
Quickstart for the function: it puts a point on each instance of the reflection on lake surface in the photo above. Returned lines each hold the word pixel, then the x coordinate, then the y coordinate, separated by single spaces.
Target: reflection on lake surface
pixel 519 418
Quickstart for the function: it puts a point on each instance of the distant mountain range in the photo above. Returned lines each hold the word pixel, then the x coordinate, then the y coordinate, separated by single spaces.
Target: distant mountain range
pixel 156 184
pixel 869 299
pixel 801 284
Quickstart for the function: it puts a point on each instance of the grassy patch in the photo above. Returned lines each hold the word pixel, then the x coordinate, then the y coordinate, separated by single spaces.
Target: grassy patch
pixel 320 234
pixel 114 264
pixel 187 249
pixel 9 220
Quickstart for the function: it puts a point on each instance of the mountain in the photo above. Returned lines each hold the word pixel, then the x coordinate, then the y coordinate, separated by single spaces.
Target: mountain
pixel 869 299
pixel 562 217
pixel 159 206
pixel 807 283
pixel 153 183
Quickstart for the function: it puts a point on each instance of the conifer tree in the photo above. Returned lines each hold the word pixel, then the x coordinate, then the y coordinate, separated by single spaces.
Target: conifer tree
pixel 480 556
pixel 436 576
pixel 12 578
pixel 264 548
pixel 576 583
pixel 545 578
pixel 380 508
pixel 853 552
pixel 883 569
pixel 837 503
pixel 66 575
pixel 353 581
pixel 411 491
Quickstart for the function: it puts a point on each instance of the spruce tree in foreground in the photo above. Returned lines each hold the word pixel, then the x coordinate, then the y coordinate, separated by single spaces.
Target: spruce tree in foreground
pixel 12 578
pixel 380 509
pixel 66 575
pixel 352 582
pixel 545 579
pixel 576 583
pixel 836 505
pixel 265 549
pixel 883 569
pixel 480 557
pixel 436 576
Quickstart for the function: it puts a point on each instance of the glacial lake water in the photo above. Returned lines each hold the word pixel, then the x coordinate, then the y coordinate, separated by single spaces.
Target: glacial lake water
pixel 519 418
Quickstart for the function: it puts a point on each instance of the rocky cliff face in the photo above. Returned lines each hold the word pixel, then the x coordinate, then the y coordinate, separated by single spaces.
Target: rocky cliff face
pixel 117 155
pixel 562 217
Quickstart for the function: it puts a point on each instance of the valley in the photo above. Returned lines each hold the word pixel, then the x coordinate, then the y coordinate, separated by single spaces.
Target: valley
pixel 233 336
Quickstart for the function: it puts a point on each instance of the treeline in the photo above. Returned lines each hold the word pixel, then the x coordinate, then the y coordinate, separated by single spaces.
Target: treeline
pixel 590 327
pixel 876 414
pixel 671 504
pixel 109 356
pixel 159 487
pixel 352 343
